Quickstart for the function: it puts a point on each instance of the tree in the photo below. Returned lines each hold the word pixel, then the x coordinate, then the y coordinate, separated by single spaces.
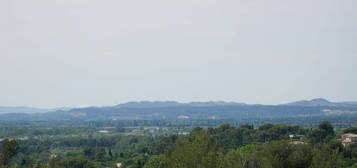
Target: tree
pixel 278 153
pixel 335 145
pixel 100 153
pixel 9 149
pixel 55 163
pixel 266 126
pixel 350 151
pixel 166 144
pixel 247 126
pixel 317 136
pixel 110 153
pixel 353 166
pixel 199 151
pixel 158 161
pixel 89 152
pixel 227 137
pixel 327 127
pixel 245 157
pixel 326 158
pixel 350 130
pixel 301 156
pixel 78 162
pixel 323 133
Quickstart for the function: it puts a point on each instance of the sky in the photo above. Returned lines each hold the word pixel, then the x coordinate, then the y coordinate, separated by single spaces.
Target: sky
pixel 95 53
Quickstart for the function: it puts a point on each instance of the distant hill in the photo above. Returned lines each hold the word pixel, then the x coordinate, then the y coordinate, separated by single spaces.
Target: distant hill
pixel 350 103
pixel 320 102
pixel 27 110
pixel 158 104
pixel 149 104
pixel 170 110
pixel 216 103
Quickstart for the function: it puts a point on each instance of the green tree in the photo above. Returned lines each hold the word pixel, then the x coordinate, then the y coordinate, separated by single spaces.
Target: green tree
pixel 78 162
pixel 335 145
pixel 301 156
pixel 245 157
pixel 55 163
pixel 327 127
pixel 278 153
pixel 322 134
pixel 227 137
pixel 350 130
pixel 353 166
pixel 158 161
pixel 100 153
pixel 9 149
pixel 197 152
pixel 326 158
pixel 350 151
pixel 110 153
pixel 317 136
pixel 89 152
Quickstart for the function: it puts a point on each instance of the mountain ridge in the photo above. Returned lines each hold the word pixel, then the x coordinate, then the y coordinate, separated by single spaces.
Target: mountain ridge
pixel 317 102
pixel 28 110
pixel 171 110
pixel 156 104
pixel 321 102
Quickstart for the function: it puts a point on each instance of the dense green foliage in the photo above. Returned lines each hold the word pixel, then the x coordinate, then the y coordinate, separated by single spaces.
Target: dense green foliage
pixel 226 146
pixel 9 149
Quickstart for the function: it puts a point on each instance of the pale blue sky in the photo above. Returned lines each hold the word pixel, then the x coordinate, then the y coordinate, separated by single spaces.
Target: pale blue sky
pixel 91 52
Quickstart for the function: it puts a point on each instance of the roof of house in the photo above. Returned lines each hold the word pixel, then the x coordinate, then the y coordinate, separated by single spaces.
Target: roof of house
pixel 349 135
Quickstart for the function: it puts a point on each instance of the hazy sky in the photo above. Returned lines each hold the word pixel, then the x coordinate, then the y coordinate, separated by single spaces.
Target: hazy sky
pixel 93 52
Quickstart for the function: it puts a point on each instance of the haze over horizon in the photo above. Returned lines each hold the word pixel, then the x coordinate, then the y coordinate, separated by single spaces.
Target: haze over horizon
pixel 95 53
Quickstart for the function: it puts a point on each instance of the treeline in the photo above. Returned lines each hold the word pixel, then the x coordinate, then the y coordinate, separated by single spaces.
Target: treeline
pixel 38 128
pixel 225 147
pixel 268 146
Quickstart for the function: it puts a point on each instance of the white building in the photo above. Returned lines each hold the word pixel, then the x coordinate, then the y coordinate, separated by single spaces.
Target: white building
pixel 348 139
